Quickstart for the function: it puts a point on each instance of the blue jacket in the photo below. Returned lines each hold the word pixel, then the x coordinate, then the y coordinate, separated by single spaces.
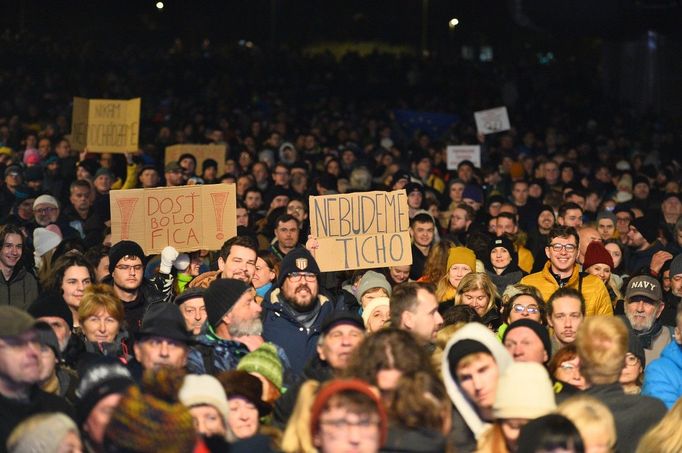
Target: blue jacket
pixel 663 376
pixel 280 328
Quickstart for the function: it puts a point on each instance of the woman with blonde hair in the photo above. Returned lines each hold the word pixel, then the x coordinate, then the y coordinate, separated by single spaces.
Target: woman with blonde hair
pixel 102 318
pixel 666 436
pixel 461 261
pixel 479 292
pixel 593 420
pixel 297 437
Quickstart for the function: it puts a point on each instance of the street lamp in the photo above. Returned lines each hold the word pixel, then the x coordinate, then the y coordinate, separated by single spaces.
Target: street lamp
pixel 453 23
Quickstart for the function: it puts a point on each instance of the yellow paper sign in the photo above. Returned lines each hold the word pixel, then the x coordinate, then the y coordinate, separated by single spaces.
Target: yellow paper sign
pixel 105 125
pixel 361 230
pixel 188 217
pixel 200 153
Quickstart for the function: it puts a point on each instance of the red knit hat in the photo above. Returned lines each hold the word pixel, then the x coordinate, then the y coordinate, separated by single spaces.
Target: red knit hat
pixel 340 385
pixel 597 254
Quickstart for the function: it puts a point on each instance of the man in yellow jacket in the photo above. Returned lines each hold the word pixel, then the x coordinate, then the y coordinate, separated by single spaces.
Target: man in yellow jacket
pixel 562 271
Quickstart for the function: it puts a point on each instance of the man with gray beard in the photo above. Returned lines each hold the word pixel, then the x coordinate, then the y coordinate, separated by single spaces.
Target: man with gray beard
pixel 643 307
pixel 233 327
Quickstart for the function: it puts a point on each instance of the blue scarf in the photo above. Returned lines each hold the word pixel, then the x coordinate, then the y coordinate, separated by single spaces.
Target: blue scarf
pixel 263 290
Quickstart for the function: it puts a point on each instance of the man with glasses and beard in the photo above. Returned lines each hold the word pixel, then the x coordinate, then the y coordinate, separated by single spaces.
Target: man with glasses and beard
pixel 293 315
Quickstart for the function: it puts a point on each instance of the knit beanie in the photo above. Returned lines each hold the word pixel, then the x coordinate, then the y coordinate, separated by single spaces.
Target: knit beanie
pixel 204 390
pixel 150 419
pixel 596 253
pixel 473 192
pixel 536 400
pixel 42 432
pixel 464 348
pixel 53 305
pixel 99 379
pixel 373 305
pixel 298 260
pixel 371 280
pixel 264 361
pixel 336 386
pixel 46 199
pixel 676 266
pixel 45 240
pixel 606 215
pixel 461 255
pixel 647 226
pixel 47 337
pixel 221 296
pixel 122 249
pixel 536 327
pixel 241 383
pixel 507 244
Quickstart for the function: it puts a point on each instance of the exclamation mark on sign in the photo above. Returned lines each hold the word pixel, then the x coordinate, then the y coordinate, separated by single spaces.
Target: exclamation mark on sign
pixel 126 206
pixel 218 199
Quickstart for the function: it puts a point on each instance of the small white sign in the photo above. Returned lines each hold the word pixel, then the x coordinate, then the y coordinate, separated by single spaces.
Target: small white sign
pixel 457 154
pixel 492 121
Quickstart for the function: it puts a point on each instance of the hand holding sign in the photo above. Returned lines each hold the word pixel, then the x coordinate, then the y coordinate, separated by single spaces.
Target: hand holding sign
pixel 492 121
pixel 105 125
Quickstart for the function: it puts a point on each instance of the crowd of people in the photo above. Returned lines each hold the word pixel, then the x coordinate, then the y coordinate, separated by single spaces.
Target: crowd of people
pixel 540 312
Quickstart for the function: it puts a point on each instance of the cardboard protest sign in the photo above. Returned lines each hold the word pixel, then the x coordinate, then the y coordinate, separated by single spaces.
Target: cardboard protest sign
pixel 457 154
pixel 361 230
pixel 188 217
pixel 492 121
pixel 105 125
pixel 200 153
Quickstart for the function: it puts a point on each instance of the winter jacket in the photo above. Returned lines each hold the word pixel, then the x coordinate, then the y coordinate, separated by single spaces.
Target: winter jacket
pixel 212 354
pixel 633 414
pixel 157 290
pixel 597 300
pixel 473 426
pixel 21 289
pixel 663 377
pixel 406 440
pixel 280 327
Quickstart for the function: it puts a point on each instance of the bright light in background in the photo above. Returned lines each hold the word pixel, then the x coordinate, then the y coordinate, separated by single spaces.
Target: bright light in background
pixel 453 23
pixel 159 5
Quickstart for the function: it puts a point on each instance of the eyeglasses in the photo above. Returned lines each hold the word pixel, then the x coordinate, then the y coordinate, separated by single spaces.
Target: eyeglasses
pixel 128 267
pixel 44 210
pixel 631 360
pixel 568 367
pixel 531 309
pixel 558 247
pixel 298 276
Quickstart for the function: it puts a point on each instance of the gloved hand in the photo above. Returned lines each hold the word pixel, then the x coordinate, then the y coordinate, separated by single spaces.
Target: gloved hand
pixel 168 257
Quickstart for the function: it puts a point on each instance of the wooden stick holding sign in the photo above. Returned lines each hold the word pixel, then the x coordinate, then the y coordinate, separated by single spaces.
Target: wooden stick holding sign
pixel 361 230
pixel 105 125
pixel 188 217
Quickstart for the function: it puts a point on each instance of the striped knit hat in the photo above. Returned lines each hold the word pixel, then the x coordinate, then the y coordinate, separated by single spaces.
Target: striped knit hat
pixel 150 419
pixel 264 361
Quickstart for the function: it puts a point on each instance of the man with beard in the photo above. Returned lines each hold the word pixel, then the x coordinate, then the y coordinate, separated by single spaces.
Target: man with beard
pixel 293 315
pixel 643 307
pixel 286 235
pixel 233 327
pixel 236 259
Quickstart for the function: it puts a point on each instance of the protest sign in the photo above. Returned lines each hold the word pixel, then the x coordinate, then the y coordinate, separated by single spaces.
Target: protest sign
pixel 493 120
pixel 200 153
pixel 188 217
pixel 361 230
pixel 457 154
pixel 105 125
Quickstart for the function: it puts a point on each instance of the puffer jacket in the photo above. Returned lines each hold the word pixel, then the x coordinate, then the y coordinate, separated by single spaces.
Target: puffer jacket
pixel 280 327
pixel 465 434
pixel 597 300
pixel 663 376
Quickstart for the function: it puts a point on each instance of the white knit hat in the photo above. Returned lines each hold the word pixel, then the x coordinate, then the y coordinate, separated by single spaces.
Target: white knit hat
pixel 524 391
pixel 45 240
pixel 41 432
pixel 204 390
pixel 46 199
pixel 373 305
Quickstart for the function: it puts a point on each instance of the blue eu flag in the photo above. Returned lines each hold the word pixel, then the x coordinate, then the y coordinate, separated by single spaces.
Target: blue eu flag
pixel 433 124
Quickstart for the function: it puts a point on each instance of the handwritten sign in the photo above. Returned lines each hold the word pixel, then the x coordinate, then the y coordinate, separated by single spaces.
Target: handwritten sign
pixel 105 125
pixel 457 154
pixel 200 153
pixel 361 230
pixel 188 218
pixel 492 121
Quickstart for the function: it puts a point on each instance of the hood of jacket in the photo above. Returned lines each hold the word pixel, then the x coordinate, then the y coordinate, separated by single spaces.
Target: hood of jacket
pixel 467 409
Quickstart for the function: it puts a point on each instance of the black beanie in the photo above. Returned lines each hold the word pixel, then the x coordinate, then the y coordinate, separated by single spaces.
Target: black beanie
pixel 462 349
pixel 99 378
pixel 51 304
pixel 121 249
pixel 647 226
pixel 298 260
pixel 536 327
pixel 221 296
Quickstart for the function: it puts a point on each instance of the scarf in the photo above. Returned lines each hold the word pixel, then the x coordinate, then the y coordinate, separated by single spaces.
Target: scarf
pixel 263 290
pixel 306 318
pixel 646 337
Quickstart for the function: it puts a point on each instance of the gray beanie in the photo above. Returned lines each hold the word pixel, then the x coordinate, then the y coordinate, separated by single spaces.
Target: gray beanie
pixel 41 432
pixel 606 215
pixel 371 280
pixel 676 266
